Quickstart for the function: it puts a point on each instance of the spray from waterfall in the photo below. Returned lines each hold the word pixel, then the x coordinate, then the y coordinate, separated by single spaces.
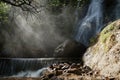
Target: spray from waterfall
pixel 36 35
pixel 91 24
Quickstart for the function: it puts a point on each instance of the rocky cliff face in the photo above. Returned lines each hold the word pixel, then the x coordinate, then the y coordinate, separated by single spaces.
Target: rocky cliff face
pixel 104 56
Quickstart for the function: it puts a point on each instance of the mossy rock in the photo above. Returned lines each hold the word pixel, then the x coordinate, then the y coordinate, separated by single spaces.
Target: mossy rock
pixel 109 30
pixel 104 56
pixel 106 32
pixel 107 36
pixel 94 40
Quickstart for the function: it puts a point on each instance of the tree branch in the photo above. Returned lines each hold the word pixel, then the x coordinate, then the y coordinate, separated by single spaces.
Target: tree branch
pixel 25 5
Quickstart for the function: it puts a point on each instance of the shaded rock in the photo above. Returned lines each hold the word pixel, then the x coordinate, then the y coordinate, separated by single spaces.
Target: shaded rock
pixel 74 65
pixel 104 56
pixel 69 69
pixel 59 72
pixel 80 73
pixel 70 48
pixel 87 68
pixel 50 75
pixel 75 71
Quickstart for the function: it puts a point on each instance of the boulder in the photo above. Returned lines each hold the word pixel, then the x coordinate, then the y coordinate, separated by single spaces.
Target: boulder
pixel 104 56
pixel 70 48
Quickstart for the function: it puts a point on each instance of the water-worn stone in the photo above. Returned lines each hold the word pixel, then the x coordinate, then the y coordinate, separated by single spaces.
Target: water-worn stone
pixel 104 56
pixel 74 65
pixel 64 68
pixel 70 48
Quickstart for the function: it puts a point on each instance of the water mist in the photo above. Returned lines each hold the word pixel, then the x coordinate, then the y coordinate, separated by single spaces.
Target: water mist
pixel 36 35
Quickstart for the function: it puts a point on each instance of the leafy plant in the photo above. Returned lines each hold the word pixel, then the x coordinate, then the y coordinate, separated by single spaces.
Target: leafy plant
pixel 3 12
pixel 74 3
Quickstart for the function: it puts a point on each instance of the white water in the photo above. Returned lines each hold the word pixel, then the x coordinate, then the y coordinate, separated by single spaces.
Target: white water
pixel 28 67
pixel 91 24
pixel 30 73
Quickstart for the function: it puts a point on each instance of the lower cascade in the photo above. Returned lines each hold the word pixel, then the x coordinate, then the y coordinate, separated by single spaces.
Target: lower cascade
pixel 28 67
pixel 30 73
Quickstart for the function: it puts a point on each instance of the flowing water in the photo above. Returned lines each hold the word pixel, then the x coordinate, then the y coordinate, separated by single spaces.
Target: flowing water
pixel 28 67
pixel 117 11
pixel 36 73
pixel 91 24
pixel 88 27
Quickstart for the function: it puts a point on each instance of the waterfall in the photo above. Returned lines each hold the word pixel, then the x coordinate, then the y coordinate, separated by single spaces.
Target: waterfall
pixel 30 73
pixel 28 67
pixel 117 11
pixel 91 24
pixel 21 66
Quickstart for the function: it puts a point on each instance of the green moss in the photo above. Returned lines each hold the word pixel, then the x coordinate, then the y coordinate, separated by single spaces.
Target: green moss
pixel 106 48
pixel 107 36
pixel 104 37
pixel 93 40
pixel 107 32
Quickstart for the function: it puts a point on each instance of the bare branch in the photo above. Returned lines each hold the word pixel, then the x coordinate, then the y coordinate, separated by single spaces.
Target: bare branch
pixel 25 5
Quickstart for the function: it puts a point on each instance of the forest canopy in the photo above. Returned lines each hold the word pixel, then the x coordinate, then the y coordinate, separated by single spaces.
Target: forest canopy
pixel 27 5
pixel 3 11
pixel 33 5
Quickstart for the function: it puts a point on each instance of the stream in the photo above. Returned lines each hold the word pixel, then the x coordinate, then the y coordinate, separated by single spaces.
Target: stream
pixel 29 67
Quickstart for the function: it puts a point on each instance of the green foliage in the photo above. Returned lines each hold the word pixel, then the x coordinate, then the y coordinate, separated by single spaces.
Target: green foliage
pixel 56 3
pixel 106 35
pixel 3 12
pixel 83 2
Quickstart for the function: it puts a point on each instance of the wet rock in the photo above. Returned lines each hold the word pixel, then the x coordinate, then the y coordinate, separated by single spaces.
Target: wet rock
pixel 50 75
pixel 70 48
pixel 51 67
pixel 66 66
pixel 87 69
pixel 54 78
pixel 59 72
pixel 56 67
pixel 75 71
pixel 74 65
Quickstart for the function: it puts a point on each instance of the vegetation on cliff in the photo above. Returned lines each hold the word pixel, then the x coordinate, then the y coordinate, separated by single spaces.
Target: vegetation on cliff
pixel 3 12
